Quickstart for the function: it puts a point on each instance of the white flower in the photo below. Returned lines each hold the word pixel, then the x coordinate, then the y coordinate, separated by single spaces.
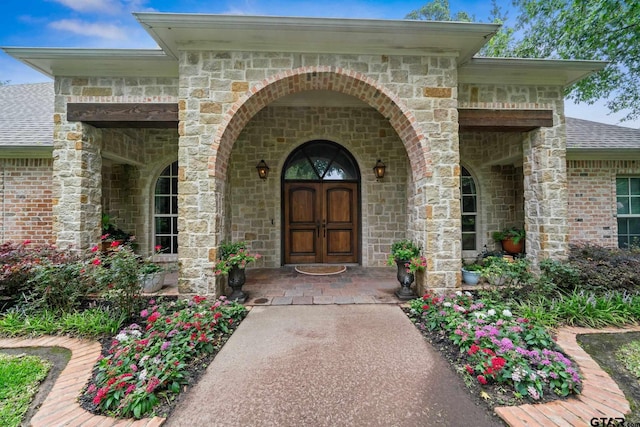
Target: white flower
pixel 479 315
pixel 506 313
pixel 143 374
pixel 467 293
pixel 446 304
pixel 491 312
pixel 459 293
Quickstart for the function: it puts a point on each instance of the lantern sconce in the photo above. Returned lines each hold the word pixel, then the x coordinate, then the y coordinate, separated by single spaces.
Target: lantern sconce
pixel 263 169
pixel 378 169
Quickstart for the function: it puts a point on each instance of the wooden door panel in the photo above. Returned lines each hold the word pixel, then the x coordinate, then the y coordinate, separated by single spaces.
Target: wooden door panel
pixel 302 241
pixel 320 222
pixel 340 212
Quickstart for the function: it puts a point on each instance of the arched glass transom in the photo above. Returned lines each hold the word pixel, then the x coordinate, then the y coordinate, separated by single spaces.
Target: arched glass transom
pixel 165 211
pixel 321 161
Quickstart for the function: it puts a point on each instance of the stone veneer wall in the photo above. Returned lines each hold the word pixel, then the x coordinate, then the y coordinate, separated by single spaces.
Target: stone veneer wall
pixel 592 199
pixel 79 149
pixel 494 159
pixel 221 91
pixel 25 205
pixel 255 204
pixel 544 162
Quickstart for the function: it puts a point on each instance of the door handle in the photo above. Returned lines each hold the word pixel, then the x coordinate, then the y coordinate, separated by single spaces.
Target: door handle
pixel 324 228
pixel 318 227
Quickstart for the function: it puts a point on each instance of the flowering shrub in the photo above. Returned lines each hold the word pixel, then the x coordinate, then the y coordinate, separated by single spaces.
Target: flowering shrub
pixel 17 263
pixel 498 347
pixel 233 255
pixel 147 361
pixel 116 272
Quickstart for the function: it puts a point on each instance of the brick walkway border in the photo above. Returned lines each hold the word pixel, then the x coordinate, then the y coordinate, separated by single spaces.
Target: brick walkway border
pixel 600 397
pixel 61 407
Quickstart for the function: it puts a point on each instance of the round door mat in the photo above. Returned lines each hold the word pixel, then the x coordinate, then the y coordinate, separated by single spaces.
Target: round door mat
pixel 320 270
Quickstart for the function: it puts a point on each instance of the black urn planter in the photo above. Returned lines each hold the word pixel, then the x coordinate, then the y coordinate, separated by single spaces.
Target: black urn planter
pixel 406 279
pixel 235 280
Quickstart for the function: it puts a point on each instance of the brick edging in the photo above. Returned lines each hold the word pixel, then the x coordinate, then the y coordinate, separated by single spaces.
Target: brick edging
pixel 600 397
pixel 61 407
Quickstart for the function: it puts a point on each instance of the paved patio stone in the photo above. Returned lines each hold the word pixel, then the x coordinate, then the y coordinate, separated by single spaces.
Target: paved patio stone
pixel 323 300
pixel 302 300
pixel 282 301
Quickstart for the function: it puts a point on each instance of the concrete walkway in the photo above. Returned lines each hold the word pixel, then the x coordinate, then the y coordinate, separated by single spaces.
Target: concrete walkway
pixel 328 366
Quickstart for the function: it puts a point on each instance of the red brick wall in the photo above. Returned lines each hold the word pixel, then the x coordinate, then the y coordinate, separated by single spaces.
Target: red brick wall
pixel 25 200
pixel 592 199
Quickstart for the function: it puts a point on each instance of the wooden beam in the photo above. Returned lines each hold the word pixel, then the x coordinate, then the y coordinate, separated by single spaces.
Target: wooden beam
pixel 503 120
pixel 120 115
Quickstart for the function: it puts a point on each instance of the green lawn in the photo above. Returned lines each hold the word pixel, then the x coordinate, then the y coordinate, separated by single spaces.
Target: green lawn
pixel 19 380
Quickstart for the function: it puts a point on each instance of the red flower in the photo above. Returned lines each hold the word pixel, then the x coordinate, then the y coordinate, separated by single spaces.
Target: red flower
pixel 96 261
pixel 488 351
pixel 425 307
pixel 473 349
pixel 203 338
pixel 498 363
pixel 469 369
pixel 26 242
pixel 158 247
pixel 100 395
pixel 482 379
pixel 217 316
pixel 154 316
pixel 115 244
pixel 198 299
pixel 94 249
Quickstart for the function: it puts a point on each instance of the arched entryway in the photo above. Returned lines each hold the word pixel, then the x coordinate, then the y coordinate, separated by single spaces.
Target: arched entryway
pixel 320 205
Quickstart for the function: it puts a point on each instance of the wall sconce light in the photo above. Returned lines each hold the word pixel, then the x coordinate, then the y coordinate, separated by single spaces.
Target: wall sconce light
pixel 378 169
pixel 263 169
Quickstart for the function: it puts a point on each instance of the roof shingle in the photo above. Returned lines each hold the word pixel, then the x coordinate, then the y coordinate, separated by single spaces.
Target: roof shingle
pixel 26 115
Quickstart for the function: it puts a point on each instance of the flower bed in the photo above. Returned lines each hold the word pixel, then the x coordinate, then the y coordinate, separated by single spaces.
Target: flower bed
pixel 496 348
pixel 149 361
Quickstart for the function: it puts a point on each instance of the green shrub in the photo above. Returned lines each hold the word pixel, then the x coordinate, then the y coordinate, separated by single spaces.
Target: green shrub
pixel 602 269
pixel 57 286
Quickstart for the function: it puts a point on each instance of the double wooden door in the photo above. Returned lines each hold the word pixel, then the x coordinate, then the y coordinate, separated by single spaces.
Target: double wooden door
pixel 321 222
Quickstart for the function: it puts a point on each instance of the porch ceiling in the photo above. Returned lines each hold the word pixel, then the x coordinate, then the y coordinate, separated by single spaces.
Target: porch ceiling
pixel 174 32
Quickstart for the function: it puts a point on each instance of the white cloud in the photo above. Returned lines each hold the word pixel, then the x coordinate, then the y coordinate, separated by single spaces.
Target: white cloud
pixel 91 5
pixel 112 7
pixel 104 31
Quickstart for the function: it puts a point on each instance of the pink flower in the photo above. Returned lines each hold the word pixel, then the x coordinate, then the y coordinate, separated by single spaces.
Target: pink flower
pixel 94 249
pixel 130 389
pixel 469 369
pixel 482 379
pixel 133 367
pixel 96 261
pixel 144 313
pixel 100 395
pixel 216 316
pixel 154 316
pixel 115 244
pixel 152 384
pixel 26 242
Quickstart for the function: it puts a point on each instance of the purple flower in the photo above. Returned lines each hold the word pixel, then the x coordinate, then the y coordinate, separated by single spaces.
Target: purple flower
pixel 165 345
pixel 144 313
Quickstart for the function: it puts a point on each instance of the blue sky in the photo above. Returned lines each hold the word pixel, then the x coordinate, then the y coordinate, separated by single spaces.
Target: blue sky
pixel 109 24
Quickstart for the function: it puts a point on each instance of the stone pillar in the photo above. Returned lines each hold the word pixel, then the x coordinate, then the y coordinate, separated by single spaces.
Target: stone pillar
pixel 545 193
pixel 77 184
pixel 440 201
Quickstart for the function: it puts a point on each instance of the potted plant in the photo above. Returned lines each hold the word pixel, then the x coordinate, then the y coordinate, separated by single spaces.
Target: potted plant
pixel 233 259
pixel 111 233
pixel 151 275
pixel 406 256
pixel 471 273
pixel 511 239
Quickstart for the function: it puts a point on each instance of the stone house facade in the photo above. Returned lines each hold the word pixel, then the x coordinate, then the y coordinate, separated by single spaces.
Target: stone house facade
pixel 167 141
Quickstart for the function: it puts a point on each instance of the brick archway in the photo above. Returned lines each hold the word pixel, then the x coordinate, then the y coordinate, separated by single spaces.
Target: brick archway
pixel 336 79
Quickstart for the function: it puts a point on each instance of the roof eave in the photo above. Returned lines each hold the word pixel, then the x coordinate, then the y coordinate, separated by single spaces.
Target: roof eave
pixel 559 72
pixel 26 152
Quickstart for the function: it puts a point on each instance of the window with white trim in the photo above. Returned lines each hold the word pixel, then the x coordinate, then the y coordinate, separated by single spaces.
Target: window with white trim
pixel 469 210
pixel 165 210
pixel 628 203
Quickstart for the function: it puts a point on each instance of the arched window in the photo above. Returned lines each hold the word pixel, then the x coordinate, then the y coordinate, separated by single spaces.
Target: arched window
pixel 469 211
pixel 165 211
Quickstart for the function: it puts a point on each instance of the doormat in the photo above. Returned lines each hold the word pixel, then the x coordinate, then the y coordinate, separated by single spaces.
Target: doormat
pixel 320 270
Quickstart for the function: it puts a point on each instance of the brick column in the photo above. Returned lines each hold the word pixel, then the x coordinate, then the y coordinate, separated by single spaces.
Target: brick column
pixel 77 184
pixel 545 193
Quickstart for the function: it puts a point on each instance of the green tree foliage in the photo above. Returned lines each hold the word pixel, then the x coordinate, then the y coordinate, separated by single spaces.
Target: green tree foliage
pixel 588 29
pixel 606 30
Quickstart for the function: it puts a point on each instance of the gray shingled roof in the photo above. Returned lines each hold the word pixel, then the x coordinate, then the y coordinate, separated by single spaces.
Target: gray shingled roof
pixel 26 120
pixel 588 135
pixel 26 115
